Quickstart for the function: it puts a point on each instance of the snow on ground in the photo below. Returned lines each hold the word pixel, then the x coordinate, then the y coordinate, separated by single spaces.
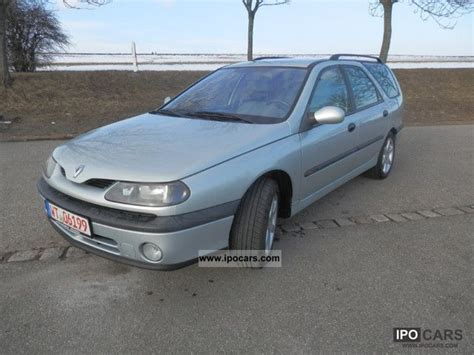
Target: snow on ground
pixel 147 58
pixel 438 65
pixel 190 62
pixel 129 67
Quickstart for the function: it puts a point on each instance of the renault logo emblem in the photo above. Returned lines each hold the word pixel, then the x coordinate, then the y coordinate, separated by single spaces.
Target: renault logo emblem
pixel 78 171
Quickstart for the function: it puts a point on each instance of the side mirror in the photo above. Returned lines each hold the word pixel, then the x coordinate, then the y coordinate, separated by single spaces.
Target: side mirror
pixel 168 99
pixel 329 115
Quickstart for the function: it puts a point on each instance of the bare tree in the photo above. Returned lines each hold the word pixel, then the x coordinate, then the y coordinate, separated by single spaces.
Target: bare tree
pixel 444 12
pixel 4 5
pixel 252 7
pixel 4 73
pixel 33 32
pixel 78 4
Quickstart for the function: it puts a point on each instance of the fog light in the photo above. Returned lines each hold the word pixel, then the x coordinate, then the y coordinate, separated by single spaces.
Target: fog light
pixel 152 252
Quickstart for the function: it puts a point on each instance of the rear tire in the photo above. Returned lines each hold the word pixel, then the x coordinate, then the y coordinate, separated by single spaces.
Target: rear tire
pixel 385 160
pixel 255 222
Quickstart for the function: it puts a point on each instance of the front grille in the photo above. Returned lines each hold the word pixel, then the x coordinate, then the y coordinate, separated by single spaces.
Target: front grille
pixel 100 183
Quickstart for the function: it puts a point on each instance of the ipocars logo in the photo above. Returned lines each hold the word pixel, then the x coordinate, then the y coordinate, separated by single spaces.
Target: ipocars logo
pixel 416 335
pixel 406 335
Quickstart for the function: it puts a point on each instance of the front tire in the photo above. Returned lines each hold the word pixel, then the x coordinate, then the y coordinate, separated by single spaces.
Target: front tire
pixel 255 222
pixel 385 160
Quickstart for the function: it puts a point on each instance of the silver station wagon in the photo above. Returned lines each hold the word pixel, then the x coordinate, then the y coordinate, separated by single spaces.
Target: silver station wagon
pixel 216 166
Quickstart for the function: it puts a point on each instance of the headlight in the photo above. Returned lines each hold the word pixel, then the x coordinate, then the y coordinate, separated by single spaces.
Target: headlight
pixel 48 167
pixel 152 195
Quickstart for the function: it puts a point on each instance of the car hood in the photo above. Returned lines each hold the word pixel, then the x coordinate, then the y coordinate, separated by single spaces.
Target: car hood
pixel 156 148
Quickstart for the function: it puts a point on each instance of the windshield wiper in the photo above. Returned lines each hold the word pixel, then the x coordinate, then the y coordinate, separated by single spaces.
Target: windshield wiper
pixel 167 113
pixel 218 116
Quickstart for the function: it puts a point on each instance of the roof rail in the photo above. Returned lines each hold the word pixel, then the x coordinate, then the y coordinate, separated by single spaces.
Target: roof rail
pixel 338 56
pixel 264 58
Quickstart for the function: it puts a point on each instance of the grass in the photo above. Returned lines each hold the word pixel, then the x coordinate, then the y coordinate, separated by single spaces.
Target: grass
pixel 53 104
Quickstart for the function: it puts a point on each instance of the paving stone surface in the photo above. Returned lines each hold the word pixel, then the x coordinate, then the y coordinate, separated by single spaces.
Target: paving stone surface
pixel 344 222
pixel 73 252
pixel 380 218
pixel 451 211
pixel 362 220
pixel 428 214
pixel 51 253
pixel 309 226
pixel 467 209
pixel 412 216
pixel 396 217
pixel 25 255
pixel 291 227
pixel 327 224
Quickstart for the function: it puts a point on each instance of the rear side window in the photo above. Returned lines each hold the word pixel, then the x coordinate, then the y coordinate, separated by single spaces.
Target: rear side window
pixel 330 91
pixel 364 90
pixel 384 77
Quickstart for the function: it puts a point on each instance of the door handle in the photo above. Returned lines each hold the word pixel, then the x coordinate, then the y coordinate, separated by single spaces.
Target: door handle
pixel 385 113
pixel 351 127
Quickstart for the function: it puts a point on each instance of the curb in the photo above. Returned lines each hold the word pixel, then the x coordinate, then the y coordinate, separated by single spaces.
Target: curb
pixel 294 229
pixel 399 217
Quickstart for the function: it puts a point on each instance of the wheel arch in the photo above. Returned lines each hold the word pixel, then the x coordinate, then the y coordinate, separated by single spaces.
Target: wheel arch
pixel 285 186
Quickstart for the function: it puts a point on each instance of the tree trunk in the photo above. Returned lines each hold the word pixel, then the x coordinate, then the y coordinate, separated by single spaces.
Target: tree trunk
pixel 4 74
pixel 387 28
pixel 250 36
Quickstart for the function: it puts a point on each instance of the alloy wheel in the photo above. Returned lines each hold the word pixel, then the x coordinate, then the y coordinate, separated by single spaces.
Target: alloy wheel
pixel 387 155
pixel 271 228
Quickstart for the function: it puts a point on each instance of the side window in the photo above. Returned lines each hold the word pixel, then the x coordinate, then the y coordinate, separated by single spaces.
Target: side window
pixel 331 90
pixel 384 77
pixel 364 90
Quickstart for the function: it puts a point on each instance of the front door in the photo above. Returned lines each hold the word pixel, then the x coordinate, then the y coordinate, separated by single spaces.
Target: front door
pixel 326 149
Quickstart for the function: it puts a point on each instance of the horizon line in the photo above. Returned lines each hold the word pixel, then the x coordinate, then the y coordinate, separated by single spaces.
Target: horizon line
pixel 244 54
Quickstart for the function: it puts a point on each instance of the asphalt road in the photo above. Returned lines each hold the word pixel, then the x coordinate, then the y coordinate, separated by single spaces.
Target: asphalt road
pixel 338 290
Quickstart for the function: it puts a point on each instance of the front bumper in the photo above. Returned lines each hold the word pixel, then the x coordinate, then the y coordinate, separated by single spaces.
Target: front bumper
pixel 120 237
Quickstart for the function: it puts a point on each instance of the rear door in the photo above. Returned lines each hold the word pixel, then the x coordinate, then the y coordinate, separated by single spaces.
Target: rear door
pixel 369 113
pixel 393 95
pixel 326 149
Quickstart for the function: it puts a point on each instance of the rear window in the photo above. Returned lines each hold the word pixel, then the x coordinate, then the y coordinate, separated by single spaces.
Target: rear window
pixel 364 90
pixel 384 77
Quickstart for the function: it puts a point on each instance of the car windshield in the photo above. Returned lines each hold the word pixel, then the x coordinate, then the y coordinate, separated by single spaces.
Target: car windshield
pixel 252 94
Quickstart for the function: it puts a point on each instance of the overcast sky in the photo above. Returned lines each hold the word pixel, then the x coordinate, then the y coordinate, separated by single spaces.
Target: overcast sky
pixel 220 26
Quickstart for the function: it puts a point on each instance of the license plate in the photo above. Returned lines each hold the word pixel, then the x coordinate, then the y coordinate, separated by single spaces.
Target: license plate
pixel 71 220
